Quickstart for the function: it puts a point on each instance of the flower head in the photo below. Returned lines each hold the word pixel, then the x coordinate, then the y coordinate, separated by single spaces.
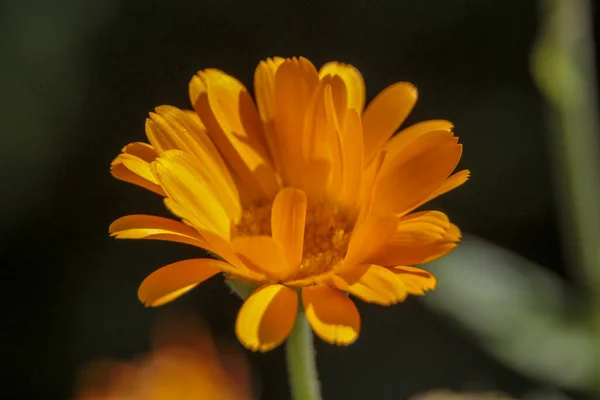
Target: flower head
pixel 305 193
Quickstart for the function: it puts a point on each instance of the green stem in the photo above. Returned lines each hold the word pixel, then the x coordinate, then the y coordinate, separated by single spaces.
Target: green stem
pixel 300 354
pixel 564 69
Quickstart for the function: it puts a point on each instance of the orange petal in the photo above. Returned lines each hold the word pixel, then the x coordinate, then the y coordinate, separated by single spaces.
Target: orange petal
pixel 415 173
pixel 173 280
pixel 321 140
pixel 264 81
pixel 399 141
pixel 385 114
pixel 374 284
pixel 263 254
pixel 401 252
pixel 331 314
pixel 352 160
pixel 229 114
pixel 180 177
pixel 156 228
pixel 367 239
pixel 417 281
pixel 295 81
pixel 133 166
pixel 421 228
pixel 454 181
pixel 267 317
pixel 353 80
pixel 288 219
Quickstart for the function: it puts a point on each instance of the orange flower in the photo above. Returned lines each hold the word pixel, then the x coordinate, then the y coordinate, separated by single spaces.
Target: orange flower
pixel 184 364
pixel 307 195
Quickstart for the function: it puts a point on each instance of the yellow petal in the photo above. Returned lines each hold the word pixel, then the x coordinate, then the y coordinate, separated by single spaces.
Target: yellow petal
pixel 181 179
pixel 296 80
pixel 353 80
pixel 229 114
pixel 415 173
pixel 331 314
pixel 173 280
pixel 267 317
pixel 133 166
pixel 156 228
pixel 385 114
pixel 263 254
pixel 288 219
pixel 417 281
pixel 170 128
pixel 374 284
pixel 367 239
pixel 173 129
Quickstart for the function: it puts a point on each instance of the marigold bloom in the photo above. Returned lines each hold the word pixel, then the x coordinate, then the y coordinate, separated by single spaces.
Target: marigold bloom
pixel 303 193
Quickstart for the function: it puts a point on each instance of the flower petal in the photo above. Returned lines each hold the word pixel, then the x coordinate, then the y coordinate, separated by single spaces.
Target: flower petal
pixel 295 81
pixel 402 252
pixel 264 81
pixel 170 128
pixel 321 141
pixel 267 317
pixel 352 160
pixel 367 239
pixel 385 114
pixel 156 228
pixel 374 284
pixel 265 255
pixel 355 85
pixel 331 314
pixel 415 173
pixel 229 114
pixel 454 181
pixel 173 280
pixel 417 281
pixel 421 228
pixel 288 219
pixel 133 166
pixel 398 142
pixel 180 177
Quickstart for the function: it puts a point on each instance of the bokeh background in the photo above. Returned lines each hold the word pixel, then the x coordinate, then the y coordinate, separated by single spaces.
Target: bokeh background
pixel 77 80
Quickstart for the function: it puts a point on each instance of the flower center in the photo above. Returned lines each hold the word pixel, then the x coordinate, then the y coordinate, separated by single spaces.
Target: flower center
pixel 326 235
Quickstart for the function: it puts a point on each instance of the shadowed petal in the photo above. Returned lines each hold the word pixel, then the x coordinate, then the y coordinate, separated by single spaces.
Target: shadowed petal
pixel 331 314
pixel 267 317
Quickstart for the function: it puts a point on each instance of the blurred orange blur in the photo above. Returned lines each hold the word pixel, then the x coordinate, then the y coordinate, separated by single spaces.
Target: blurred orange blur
pixel 184 364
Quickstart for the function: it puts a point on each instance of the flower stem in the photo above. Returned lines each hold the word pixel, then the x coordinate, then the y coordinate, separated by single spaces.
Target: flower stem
pixel 300 354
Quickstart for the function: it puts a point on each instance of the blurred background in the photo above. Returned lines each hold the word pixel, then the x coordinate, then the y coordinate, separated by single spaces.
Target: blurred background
pixel 515 310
